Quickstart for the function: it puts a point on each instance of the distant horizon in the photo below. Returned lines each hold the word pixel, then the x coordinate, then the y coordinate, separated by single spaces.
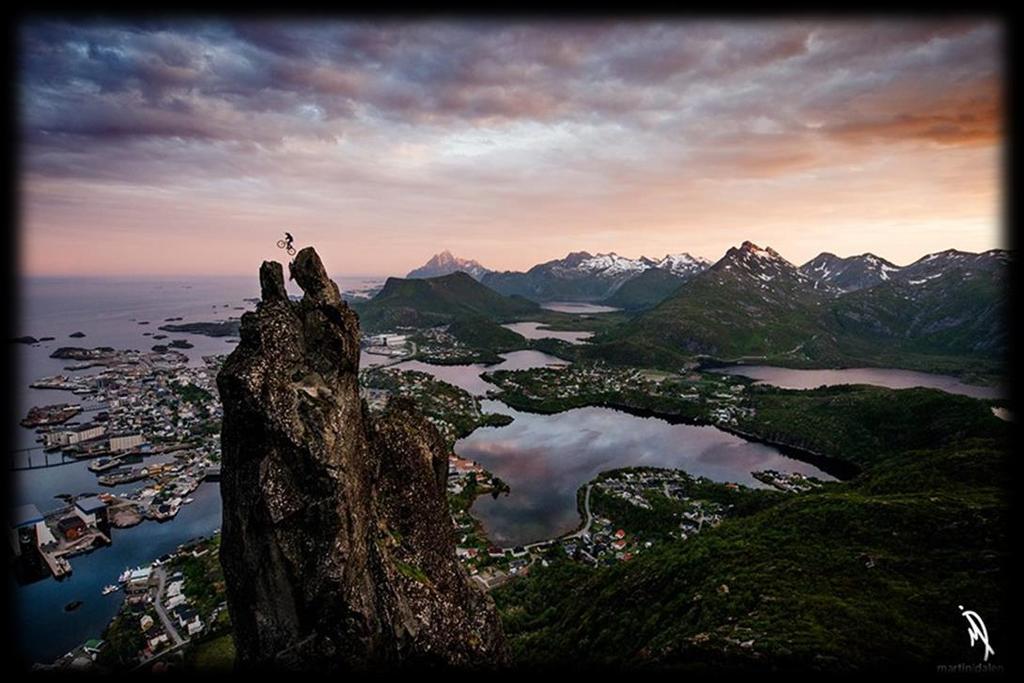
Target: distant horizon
pixel 156 277
pixel 185 147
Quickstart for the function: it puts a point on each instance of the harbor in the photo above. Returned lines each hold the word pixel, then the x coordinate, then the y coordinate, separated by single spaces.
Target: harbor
pixel 146 403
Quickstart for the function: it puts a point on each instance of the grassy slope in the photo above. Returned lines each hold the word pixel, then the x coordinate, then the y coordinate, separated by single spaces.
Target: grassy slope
pixel 437 301
pixel 953 326
pixel 927 513
pixel 646 290
pixel 954 321
pixel 861 424
pixel 718 314
pixel 481 333
pixel 216 654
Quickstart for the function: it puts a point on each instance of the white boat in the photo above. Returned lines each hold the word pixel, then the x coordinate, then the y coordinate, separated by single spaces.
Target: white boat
pixel 124 575
pixel 107 590
pixel 187 501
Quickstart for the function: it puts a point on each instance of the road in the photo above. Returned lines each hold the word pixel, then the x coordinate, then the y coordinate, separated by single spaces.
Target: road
pixel 589 518
pixel 158 603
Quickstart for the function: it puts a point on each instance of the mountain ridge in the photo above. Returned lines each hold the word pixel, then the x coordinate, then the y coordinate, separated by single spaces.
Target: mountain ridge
pixel 445 263
pixel 582 276
pixel 944 310
pixel 414 302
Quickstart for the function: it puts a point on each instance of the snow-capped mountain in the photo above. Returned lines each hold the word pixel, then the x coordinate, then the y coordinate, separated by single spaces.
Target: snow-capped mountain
pixel 848 274
pixel 683 264
pixel 445 264
pixel 765 265
pixel 930 265
pixel 613 265
pixel 583 276
pixel 753 302
pixel 840 275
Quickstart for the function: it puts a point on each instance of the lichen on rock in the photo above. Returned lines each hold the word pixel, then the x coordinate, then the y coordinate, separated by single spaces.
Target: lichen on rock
pixel 337 544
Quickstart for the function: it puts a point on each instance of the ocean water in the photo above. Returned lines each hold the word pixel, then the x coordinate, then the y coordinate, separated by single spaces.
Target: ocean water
pixel 108 311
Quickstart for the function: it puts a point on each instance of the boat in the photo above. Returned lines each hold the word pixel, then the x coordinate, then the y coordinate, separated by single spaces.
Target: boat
pixel 103 464
pixel 125 575
pixel 73 605
pixel 187 501
pixel 107 590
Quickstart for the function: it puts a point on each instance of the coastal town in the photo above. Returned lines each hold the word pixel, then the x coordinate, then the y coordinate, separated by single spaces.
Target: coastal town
pixel 690 395
pixel 147 425
pixel 453 411
pixel 153 420
pixel 173 616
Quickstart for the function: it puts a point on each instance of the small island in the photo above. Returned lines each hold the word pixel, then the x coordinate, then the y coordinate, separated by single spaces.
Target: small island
pixel 77 353
pixel 223 328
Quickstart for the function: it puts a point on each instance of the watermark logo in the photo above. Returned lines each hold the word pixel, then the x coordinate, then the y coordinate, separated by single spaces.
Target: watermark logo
pixel 976 630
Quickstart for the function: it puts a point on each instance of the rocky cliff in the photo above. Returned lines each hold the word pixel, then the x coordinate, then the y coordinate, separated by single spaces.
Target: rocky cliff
pixel 337 544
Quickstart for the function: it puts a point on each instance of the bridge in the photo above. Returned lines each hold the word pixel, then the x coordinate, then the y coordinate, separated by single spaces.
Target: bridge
pixel 58 459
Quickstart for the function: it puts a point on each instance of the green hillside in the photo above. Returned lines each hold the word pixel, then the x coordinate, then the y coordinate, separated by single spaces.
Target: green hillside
pixel 753 306
pixel 959 312
pixel 724 313
pixel 437 301
pixel 851 576
pixel 646 290
pixel 482 333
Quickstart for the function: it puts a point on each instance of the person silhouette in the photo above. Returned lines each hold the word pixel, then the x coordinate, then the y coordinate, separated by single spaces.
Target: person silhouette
pixel 286 244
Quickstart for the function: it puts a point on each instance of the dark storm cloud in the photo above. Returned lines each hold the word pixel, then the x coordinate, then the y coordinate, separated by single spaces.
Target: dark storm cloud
pixel 86 86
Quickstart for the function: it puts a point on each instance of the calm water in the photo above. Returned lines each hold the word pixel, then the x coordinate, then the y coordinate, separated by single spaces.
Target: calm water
pixel 546 458
pixel 468 376
pixel 788 378
pixel 577 307
pixel 534 330
pixel 369 360
pixel 108 312
pixel 45 631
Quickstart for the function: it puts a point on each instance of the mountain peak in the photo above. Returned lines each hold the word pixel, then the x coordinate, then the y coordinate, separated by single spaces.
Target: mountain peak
pixel 293 426
pixel 682 264
pixel 749 247
pixel 849 274
pixel 445 263
pixel 764 264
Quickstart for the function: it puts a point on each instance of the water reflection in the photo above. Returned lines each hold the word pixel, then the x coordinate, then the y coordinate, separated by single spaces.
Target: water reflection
pixel 468 376
pixel 577 307
pixel 546 458
pixel 369 360
pixel 789 378
pixel 535 330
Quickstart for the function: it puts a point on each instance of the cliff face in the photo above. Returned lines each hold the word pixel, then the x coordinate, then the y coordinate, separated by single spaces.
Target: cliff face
pixel 337 544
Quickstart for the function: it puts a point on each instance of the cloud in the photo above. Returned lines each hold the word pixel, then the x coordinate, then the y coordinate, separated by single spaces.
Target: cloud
pixel 448 121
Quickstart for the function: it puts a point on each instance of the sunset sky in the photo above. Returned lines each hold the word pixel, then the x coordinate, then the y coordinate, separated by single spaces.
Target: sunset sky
pixel 178 148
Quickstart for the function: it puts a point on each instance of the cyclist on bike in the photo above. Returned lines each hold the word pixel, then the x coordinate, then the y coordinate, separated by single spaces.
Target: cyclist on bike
pixel 288 239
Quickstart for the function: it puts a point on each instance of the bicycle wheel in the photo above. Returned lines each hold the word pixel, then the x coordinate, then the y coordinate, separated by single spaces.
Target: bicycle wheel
pixel 280 244
pixel 291 251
